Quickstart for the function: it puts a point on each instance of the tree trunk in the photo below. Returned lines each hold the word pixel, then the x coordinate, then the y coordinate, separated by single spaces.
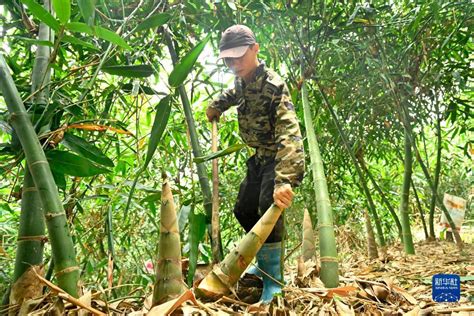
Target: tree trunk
pixel 327 241
pixel 405 193
pixel 67 271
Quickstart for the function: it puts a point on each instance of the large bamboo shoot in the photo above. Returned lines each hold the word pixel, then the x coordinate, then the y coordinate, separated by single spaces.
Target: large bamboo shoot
pixel 169 279
pixel 221 280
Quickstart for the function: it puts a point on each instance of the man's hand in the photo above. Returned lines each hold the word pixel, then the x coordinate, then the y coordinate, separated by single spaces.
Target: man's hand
pixel 213 114
pixel 283 196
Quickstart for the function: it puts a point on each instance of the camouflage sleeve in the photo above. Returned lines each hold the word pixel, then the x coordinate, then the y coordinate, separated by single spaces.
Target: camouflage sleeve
pixel 224 100
pixel 290 156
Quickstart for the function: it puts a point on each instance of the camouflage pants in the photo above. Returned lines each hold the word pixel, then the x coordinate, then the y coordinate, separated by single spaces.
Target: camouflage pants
pixel 256 196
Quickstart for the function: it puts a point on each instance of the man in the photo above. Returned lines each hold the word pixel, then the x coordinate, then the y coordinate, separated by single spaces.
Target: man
pixel 268 123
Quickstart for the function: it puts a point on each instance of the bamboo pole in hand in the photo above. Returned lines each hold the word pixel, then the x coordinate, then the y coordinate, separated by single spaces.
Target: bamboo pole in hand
pixel 216 245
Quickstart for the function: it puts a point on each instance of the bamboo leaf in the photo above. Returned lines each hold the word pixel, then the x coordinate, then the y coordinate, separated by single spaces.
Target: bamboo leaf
pixel 41 14
pixel 87 8
pixel 220 153
pixel 153 21
pixel 159 125
pixel 183 216
pixel 100 32
pixel 133 71
pixel 74 40
pixel 197 229
pixel 59 178
pixel 184 67
pixel 112 37
pixel 151 198
pixel 64 162
pixel 63 10
pixel 80 28
pixel 33 41
pixel 86 149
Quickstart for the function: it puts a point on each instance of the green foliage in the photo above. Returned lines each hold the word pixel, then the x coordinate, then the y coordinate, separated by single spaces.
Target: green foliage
pixel 153 22
pixel 64 162
pixel 359 54
pixel 184 67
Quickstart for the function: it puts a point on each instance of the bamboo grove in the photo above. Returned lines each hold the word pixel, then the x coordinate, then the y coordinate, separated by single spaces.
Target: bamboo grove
pixel 106 153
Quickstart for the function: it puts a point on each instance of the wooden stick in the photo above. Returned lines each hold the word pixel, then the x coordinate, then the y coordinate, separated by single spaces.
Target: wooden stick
pixel 62 294
pixel 216 253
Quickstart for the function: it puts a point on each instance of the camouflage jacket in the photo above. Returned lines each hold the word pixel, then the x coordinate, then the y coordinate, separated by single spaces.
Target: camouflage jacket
pixel 268 122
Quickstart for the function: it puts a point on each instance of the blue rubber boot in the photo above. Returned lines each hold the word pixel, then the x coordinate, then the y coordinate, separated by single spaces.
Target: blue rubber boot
pixel 269 260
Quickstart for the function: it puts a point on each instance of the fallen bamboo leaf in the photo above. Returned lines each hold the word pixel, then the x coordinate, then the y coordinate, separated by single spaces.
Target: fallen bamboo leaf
pixel 341 291
pixel 171 306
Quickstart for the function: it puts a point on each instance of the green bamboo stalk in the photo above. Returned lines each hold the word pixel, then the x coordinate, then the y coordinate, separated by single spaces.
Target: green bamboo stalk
pixel 31 233
pixel 378 224
pixel 437 172
pixel 309 245
pixel 404 207
pixel 31 238
pixel 197 152
pixel 67 271
pixel 169 279
pixel 327 240
pixel 221 280
pixel 422 215
pixel 408 128
pixel 383 196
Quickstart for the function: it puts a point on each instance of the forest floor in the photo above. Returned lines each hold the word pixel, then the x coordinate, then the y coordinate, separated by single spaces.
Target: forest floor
pixel 395 284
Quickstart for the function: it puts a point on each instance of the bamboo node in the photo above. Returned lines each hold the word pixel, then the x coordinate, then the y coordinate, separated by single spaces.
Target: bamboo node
pixel 38 162
pixel 67 270
pixel 326 225
pixel 42 238
pixel 30 189
pixel 52 215
pixel 328 259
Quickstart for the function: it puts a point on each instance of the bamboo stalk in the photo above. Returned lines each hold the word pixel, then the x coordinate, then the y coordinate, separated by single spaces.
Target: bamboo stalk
pixel 308 246
pixel 67 271
pixel 169 279
pixel 221 280
pixel 363 182
pixel 420 209
pixel 193 135
pixel 405 192
pixel 31 233
pixel 216 246
pixel 371 244
pixel 327 239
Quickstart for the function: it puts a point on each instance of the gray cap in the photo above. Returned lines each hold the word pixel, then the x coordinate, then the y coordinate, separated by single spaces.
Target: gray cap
pixel 235 41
